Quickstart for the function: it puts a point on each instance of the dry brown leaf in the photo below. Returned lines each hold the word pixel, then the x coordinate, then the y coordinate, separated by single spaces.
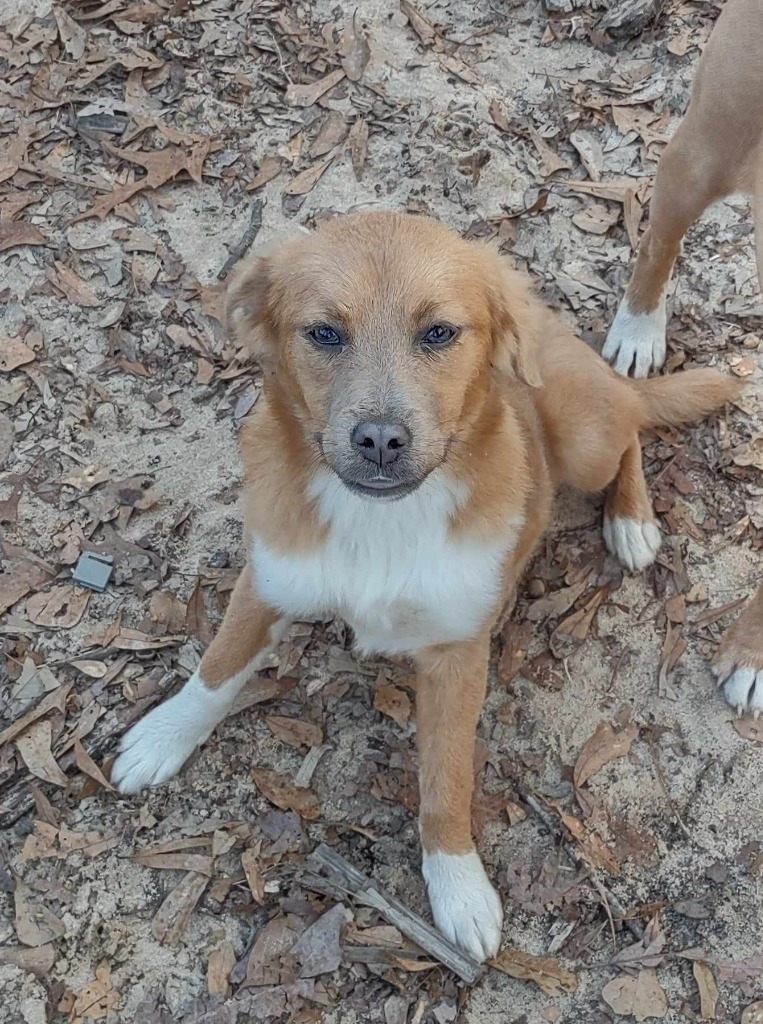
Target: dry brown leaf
pixel 499 115
pixel 294 731
pixel 37 961
pixel 593 848
pixel 96 999
pixel 708 990
pixel 179 861
pixel 306 180
pixel 35 748
pixel 550 162
pixel 423 28
pixel 551 606
pixel 596 219
pixel 317 949
pixel 221 963
pixel 171 919
pixel 251 866
pixel 641 997
pixel 87 765
pixel 516 643
pixel 73 36
pixel 274 942
pixel 61 607
pixel 35 925
pixel 54 701
pixel 282 792
pixel 169 610
pixel 393 702
pixel 306 95
pixel 197 621
pixel 48 840
pixel 333 132
pixel 14 353
pixel 548 974
pixel 579 623
pixel 161 166
pixel 77 291
pixel 269 168
pixel 357 143
pixel 750 728
pixel 20 232
pixel 354 51
pixel 604 746
pixel 459 68
pixel 673 647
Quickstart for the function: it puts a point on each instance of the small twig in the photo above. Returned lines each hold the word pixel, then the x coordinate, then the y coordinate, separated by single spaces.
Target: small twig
pixel 242 246
pixel 347 880
pixel 613 905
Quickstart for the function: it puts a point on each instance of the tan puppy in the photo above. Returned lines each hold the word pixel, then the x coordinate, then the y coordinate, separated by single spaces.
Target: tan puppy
pixel 419 408
pixel 738 665
pixel 717 150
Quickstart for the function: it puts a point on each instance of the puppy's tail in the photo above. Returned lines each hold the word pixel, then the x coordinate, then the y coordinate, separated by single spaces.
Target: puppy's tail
pixel 684 397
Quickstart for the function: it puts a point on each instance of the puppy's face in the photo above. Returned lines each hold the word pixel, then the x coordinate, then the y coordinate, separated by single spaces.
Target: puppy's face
pixel 380 330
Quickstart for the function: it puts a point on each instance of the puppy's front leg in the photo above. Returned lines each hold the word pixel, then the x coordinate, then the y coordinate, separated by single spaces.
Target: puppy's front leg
pixel 738 665
pixel 451 687
pixel 156 747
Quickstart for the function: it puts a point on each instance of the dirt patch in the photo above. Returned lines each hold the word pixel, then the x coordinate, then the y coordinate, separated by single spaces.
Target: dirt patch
pixel 120 399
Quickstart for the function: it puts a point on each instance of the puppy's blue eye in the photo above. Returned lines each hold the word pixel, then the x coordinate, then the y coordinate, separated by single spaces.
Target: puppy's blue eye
pixel 439 334
pixel 325 335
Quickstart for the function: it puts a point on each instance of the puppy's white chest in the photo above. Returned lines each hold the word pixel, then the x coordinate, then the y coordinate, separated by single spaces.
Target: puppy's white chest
pixel 391 570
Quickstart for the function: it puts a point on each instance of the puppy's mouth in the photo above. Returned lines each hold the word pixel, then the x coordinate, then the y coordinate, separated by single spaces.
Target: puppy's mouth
pixel 381 487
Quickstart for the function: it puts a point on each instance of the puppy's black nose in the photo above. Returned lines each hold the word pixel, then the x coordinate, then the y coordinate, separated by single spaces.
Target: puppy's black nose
pixel 380 442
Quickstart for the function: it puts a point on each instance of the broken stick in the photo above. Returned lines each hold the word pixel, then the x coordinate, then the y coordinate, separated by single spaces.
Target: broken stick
pixel 242 246
pixel 344 880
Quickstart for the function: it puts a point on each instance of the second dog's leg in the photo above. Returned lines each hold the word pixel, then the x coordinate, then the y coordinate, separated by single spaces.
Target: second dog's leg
pixel 451 683
pixel 687 181
pixel 630 531
pixel 738 665
pixel 156 747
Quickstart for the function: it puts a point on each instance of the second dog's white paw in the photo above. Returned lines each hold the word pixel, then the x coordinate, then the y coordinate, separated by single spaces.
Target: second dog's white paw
pixel 157 747
pixel 742 687
pixel 636 341
pixel 633 542
pixel 465 906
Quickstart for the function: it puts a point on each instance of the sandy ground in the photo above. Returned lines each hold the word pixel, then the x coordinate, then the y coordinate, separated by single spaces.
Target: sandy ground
pixel 681 813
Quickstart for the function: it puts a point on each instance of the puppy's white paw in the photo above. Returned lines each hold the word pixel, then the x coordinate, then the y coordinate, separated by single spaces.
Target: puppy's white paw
pixel 633 542
pixel 157 747
pixel 636 341
pixel 465 906
pixel 742 686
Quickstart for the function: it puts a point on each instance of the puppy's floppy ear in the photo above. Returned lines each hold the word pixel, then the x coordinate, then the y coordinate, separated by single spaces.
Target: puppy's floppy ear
pixel 515 321
pixel 249 301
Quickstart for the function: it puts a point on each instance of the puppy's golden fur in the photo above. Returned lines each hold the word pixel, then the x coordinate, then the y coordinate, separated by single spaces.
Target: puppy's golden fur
pixel 495 418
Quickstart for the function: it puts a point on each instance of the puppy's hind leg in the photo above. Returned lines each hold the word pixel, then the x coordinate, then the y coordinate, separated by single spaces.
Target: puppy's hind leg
pixel 738 664
pixel 630 531
pixel 688 180
pixel 156 747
